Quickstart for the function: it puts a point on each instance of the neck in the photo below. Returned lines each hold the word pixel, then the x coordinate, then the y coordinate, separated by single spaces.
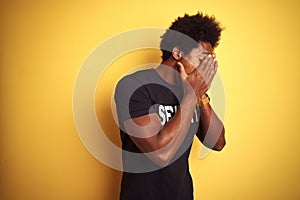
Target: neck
pixel 168 70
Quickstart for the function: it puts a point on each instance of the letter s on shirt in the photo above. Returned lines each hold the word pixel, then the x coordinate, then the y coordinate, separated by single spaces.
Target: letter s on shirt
pixel 161 113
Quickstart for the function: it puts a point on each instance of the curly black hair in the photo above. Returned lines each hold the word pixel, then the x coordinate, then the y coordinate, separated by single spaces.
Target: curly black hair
pixel 198 27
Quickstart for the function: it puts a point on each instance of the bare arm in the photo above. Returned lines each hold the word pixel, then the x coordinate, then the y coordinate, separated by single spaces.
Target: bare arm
pixel 161 143
pixel 211 130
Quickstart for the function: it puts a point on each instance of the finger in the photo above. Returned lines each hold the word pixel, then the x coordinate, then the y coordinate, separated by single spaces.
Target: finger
pixel 182 70
pixel 210 73
pixel 213 73
pixel 208 66
pixel 211 61
pixel 202 67
pixel 215 65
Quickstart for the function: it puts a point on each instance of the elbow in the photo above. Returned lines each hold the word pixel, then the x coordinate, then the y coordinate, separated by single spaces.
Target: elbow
pixel 219 146
pixel 161 159
pixel 221 142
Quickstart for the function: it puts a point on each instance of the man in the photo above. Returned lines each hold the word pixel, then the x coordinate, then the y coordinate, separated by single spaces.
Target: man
pixel 160 110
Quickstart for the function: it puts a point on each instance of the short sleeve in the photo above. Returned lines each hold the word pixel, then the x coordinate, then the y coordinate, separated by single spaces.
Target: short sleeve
pixel 132 98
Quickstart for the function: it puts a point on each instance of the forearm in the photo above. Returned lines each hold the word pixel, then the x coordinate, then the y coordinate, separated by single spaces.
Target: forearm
pixel 211 130
pixel 161 143
pixel 174 132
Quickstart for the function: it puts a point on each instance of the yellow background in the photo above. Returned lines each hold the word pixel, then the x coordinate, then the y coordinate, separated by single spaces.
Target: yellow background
pixel 44 43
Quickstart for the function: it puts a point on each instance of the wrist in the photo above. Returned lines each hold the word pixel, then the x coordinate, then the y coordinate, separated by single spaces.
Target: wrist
pixel 203 100
pixel 203 96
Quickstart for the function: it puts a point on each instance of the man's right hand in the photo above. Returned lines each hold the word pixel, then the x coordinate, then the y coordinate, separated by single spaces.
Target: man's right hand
pixel 199 80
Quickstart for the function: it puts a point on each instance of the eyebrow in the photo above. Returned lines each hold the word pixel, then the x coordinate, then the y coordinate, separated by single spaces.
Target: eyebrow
pixel 205 52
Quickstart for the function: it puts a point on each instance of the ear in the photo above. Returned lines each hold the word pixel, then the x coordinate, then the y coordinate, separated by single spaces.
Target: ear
pixel 176 53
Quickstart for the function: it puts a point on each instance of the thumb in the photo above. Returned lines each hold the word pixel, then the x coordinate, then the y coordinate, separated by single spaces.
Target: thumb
pixel 182 70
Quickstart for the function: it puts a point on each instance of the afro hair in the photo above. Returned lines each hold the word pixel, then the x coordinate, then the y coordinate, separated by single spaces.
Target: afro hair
pixel 198 27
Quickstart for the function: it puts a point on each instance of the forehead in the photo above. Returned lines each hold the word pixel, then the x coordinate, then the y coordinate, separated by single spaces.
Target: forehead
pixel 203 47
pixel 206 46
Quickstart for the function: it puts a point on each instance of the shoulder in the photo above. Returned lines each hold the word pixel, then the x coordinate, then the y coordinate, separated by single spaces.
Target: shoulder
pixel 131 82
pixel 140 76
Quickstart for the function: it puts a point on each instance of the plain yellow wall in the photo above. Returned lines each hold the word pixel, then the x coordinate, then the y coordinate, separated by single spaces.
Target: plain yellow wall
pixel 44 43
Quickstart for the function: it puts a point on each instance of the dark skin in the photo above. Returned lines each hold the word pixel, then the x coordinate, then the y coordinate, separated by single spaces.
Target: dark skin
pixel 196 72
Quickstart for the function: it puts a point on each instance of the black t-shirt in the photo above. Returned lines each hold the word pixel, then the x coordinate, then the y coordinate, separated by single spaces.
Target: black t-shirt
pixel 139 94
